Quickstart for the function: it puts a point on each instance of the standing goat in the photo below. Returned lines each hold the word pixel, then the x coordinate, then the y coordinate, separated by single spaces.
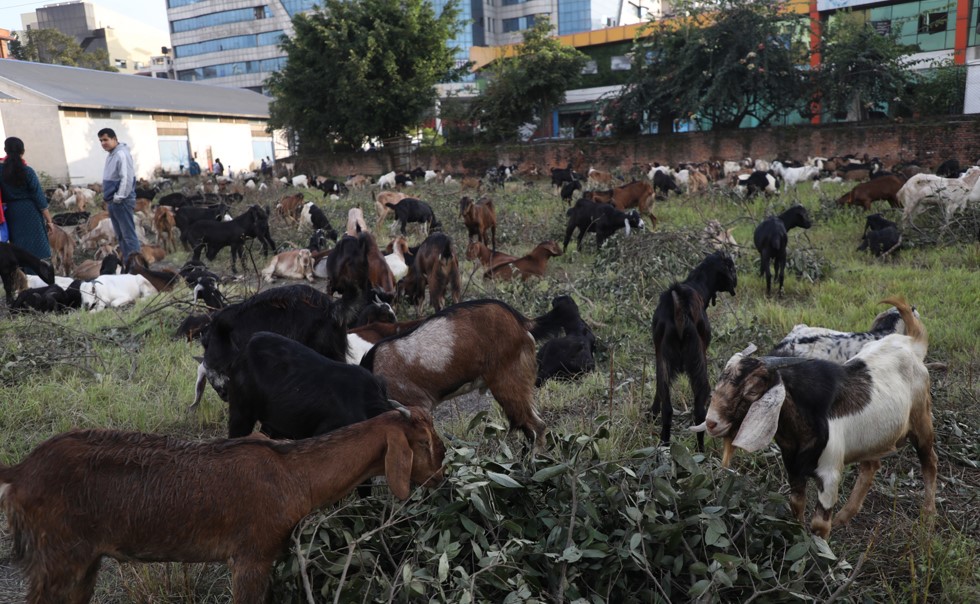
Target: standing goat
pixel 83 495
pixel 771 239
pixel 824 416
pixel 681 334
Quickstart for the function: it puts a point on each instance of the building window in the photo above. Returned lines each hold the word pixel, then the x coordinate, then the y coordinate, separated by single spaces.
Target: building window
pixel 518 24
pixel 263 66
pixel 270 38
pixel 621 63
pixel 222 18
pixel 933 23
pixel 120 63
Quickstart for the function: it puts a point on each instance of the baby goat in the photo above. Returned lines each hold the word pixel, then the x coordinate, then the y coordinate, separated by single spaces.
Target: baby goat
pixel 824 416
pixel 770 239
pixel 86 494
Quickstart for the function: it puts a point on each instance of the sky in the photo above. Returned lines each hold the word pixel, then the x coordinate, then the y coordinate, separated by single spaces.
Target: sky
pixel 151 12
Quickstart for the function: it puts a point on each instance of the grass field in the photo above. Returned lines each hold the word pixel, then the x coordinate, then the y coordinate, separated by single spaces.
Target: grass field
pixel 480 537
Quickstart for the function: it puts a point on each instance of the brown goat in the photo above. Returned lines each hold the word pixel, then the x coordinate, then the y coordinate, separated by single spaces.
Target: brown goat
pixel 290 206
pixel 883 187
pixel 534 264
pixel 488 258
pixel 379 273
pixel 62 250
pixel 86 494
pixel 161 280
pixel 355 222
pixel 470 183
pixel 598 177
pixel 165 224
pixel 382 203
pixel 479 217
pixel 435 269
pixel 153 253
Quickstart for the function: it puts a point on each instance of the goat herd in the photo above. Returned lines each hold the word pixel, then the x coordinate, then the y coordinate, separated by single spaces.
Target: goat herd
pixel 321 371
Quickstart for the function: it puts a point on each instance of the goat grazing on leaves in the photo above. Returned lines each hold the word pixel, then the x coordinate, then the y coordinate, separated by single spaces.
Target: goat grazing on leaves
pixel 436 270
pixel 214 236
pixel 682 333
pixel 771 239
pixel 534 264
pixel 86 494
pixel 881 236
pixel 824 416
pixel 482 344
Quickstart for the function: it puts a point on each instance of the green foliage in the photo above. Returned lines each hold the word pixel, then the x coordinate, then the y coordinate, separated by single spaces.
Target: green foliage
pixel 571 526
pixel 361 69
pixel 56 48
pixel 940 90
pixel 860 68
pixel 522 88
pixel 727 61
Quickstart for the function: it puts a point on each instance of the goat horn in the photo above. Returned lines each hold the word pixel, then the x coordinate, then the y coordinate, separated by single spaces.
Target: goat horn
pixel 749 349
pixel 780 362
pixel 702 427
pixel 400 408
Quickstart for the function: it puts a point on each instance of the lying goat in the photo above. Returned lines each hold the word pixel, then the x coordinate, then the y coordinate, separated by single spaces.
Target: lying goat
pixel 824 415
pixel 86 494
pixel 837 346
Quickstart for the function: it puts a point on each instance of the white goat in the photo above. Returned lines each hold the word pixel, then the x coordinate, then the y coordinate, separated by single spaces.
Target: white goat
pixel 793 176
pixel 300 180
pixel 114 291
pixel 952 194
pixel 387 180
pixel 292 264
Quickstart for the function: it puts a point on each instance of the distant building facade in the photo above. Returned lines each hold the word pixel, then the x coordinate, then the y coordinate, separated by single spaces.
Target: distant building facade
pixel 130 44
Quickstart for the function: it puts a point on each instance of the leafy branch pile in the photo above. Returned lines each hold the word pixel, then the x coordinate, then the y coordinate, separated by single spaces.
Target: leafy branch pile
pixel 571 525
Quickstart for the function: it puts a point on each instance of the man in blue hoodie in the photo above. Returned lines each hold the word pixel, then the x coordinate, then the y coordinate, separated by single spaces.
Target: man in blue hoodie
pixel 119 191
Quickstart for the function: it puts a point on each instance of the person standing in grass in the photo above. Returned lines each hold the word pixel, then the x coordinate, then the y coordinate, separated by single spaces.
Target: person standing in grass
pixel 119 191
pixel 27 212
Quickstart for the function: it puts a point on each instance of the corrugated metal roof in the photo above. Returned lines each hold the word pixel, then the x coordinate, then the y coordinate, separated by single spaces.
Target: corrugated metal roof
pixel 92 89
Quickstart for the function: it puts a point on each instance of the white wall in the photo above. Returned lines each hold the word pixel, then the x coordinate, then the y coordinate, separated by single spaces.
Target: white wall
pixel 971 103
pixel 85 155
pixel 232 143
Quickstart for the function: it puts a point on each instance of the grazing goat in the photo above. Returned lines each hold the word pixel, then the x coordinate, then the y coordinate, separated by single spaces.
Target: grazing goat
pixel 165 225
pixel 824 415
pixel 750 185
pixel 881 188
pixel 602 219
pixel 411 209
pixel 569 356
pixel 568 189
pixel 214 236
pixel 292 264
pixel 396 259
pixel 881 237
pixel 793 176
pixel 476 344
pixel 12 258
pixel 636 194
pixel 436 270
pixel 299 312
pixel 838 346
pixel 952 194
pixel 70 218
pixel 560 176
pixel 597 178
pixel 62 250
pixel 357 182
pixel 382 205
pixel 480 217
pixel 356 223
pixel 682 333
pixel 771 238
pixel 719 238
pixel 361 339
pixel 664 183
pixel 534 264
pixel 86 494
pixel 296 392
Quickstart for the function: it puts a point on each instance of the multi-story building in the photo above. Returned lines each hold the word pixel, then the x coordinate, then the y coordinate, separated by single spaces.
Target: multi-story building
pixel 129 43
pixel 235 42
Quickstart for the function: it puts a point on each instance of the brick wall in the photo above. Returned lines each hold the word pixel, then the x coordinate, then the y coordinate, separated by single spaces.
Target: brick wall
pixel 929 141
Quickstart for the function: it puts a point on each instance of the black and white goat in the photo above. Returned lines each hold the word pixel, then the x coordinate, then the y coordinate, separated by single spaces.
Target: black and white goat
pixel 771 239
pixel 600 218
pixel 838 346
pixel 824 416
pixel 881 236
pixel 682 333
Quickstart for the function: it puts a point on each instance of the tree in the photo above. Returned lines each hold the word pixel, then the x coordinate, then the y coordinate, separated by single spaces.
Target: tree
pixel 357 69
pixel 522 88
pixel 860 68
pixel 56 48
pixel 720 63
pixel 940 89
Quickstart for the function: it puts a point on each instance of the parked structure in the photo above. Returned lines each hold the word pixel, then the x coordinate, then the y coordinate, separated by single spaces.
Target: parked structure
pixel 60 110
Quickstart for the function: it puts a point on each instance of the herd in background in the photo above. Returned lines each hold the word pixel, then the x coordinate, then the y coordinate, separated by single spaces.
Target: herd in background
pixel 325 368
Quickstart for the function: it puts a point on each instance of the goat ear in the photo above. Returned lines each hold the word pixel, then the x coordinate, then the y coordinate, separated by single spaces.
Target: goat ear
pixel 760 423
pixel 398 465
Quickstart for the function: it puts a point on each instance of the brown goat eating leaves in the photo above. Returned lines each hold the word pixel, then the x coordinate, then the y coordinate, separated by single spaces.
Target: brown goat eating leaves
pixel 86 494
pixel 534 264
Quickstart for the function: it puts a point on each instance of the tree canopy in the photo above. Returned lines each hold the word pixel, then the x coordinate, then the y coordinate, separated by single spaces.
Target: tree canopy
pixel 358 69
pixel 523 87
pixel 56 48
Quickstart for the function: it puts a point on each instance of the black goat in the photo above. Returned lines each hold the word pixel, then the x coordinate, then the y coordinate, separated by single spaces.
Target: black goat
pixel 771 238
pixel 949 169
pixel 49 299
pixel 70 218
pixel 318 240
pixel 347 267
pixel 559 176
pixel 186 215
pixel 880 235
pixel 296 392
pixel 13 257
pixel 568 188
pixel 569 356
pixel 682 333
pixel 320 222
pixel 411 209
pixel 664 183
pixel 599 218
pixel 215 235
pixel 332 187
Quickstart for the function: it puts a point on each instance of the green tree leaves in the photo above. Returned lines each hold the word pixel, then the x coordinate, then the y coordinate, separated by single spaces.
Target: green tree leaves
pixel 360 69
pixel 55 48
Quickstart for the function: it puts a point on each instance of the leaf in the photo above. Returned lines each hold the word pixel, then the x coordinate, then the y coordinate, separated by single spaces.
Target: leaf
pixel 796 552
pixel 699 588
pixel 443 568
pixel 571 554
pixel 504 480
pixel 550 472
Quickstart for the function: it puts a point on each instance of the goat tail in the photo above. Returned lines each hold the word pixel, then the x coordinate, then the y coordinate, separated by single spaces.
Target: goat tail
pixel 913 326
pixel 679 306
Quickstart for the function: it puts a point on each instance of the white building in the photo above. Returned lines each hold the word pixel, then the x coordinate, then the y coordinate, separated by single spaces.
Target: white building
pixel 58 112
